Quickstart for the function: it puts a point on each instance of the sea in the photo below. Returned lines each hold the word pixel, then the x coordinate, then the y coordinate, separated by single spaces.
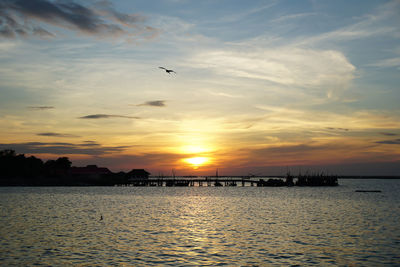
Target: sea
pixel 202 226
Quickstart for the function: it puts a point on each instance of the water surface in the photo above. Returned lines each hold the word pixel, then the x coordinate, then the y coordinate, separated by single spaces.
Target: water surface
pixel 206 226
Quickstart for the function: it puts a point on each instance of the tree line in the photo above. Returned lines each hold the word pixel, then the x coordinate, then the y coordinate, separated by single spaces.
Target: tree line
pixel 18 169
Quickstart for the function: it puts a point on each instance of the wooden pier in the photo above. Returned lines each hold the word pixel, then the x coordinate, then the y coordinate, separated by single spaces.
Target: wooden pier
pixel 200 181
pixel 231 181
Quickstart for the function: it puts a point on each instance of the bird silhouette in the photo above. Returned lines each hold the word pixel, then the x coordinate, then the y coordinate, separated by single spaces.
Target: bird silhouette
pixel 167 70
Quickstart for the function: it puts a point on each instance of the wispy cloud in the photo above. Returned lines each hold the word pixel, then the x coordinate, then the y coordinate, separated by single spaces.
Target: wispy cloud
pixel 354 32
pixel 153 162
pixel 29 18
pixel 305 153
pixel 289 66
pixel 388 134
pixel 387 63
pixel 246 13
pixel 90 143
pixel 370 25
pixel 50 134
pixel 389 142
pixel 62 148
pixel 223 94
pixel 41 107
pixel 293 17
pixel 106 116
pixel 156 103
pixel 337 129
pixel 291 149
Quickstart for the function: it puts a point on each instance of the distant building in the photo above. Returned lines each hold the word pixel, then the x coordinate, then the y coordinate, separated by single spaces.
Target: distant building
pixel 137 174
pixel 90 171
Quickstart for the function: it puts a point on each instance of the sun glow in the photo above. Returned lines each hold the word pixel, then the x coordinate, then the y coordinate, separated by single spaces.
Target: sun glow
pixel 194 149
pixel 196 161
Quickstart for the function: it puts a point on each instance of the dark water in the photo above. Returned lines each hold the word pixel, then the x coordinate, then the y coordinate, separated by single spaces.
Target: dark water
pixel 206 226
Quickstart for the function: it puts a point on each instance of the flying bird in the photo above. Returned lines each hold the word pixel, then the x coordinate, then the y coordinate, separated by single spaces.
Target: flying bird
pixel 167 70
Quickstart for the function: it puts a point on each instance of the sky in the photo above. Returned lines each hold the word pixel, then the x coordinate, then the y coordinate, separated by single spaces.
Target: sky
pixel 261 87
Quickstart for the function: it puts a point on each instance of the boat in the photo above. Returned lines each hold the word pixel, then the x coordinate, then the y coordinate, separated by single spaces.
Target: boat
pixel 217 183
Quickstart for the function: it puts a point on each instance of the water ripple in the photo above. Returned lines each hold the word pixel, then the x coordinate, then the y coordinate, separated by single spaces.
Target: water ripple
pixel 201 226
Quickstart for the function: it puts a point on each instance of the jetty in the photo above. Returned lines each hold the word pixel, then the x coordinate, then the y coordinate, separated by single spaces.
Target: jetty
pixel 233 181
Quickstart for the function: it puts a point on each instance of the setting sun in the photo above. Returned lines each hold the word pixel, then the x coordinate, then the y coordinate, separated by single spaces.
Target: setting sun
pixel 197 161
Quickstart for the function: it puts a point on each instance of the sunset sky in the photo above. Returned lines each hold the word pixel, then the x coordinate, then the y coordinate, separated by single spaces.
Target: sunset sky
pixel 260 86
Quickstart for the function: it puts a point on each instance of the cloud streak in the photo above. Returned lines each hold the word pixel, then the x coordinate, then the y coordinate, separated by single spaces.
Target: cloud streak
pixel 25 18
pixel 389 142
pixel 156 103
pixel 50 134
pixel 60 148
pixel 41 107
pixel 156 163
pixel 387 63
pixel 337 129
pixel 288 66
pixel 388 134
pixel 106 116
pixel 290 17
pixel 368 26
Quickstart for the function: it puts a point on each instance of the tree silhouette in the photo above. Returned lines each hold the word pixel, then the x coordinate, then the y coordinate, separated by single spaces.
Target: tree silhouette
pixel 57 167
pixel 13 165
pixel 63 163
